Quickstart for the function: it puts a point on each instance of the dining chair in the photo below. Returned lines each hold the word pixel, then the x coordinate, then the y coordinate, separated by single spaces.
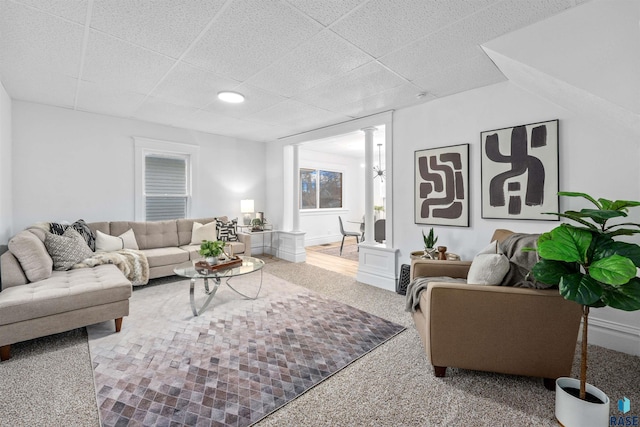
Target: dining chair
pixel 347 234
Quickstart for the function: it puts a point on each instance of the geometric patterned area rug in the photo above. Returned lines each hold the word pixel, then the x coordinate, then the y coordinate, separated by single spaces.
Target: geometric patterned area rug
pixel 231 366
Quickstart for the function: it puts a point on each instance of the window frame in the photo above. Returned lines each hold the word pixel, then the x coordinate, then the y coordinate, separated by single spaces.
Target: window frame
pixel 151 147
pixel 318 173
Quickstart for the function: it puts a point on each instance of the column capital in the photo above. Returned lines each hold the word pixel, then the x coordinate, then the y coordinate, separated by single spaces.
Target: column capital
pixel 369 129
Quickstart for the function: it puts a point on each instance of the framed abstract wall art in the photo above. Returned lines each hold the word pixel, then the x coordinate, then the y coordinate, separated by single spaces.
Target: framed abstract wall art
pixel 442 186
pixel 519 172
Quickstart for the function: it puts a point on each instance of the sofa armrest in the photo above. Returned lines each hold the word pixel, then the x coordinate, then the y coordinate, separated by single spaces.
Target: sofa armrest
pixel 245 238
pixel 500 329
pixel 11 273
pixel 437 268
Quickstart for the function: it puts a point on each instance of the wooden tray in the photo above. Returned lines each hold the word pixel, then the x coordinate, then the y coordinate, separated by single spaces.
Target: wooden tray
pixel 203 265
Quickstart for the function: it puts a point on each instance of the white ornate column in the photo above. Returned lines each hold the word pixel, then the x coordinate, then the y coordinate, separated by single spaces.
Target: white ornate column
pixel 368 184
pixel 296 188
pixel 378 263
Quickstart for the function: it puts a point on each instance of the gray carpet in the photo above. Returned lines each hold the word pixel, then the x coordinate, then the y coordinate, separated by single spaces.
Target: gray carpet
pixel 49 381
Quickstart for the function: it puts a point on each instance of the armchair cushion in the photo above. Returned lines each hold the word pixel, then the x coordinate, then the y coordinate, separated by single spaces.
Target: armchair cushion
pixel 487 269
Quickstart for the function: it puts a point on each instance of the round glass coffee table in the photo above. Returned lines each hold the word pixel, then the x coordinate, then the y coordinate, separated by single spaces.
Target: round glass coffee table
pixel 249 265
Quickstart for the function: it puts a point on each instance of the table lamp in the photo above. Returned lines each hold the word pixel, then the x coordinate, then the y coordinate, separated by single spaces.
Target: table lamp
pixel 246 207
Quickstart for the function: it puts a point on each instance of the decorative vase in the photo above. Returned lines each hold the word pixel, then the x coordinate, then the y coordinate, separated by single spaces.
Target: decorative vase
pixel 212 260
pixel 430 253
pixel 571 411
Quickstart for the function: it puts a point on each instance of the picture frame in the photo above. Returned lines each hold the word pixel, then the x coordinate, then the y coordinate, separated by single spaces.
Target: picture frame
pixel 442 186
pixel 519 171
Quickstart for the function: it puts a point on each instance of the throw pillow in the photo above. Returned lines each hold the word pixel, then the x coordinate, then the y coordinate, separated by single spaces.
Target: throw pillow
pixel 32 255
pixel 488 269
pixel 492 248
pixel 129 239
pixel 81 227
pixel 201 232
pixel 227 231
pixel 67 250
pixel 108 243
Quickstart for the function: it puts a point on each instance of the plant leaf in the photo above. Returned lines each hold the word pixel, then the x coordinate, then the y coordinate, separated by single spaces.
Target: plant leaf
pixel 567 243
pixel 580 288
pixel 614 270
pixel 577 219
pixel 584 195
pixel 550 272
pixel 604 246
pixel 623 204
pixel 625 297
pixel 598 215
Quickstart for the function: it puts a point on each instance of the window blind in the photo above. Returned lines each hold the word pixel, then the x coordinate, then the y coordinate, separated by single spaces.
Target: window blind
pixel 165 188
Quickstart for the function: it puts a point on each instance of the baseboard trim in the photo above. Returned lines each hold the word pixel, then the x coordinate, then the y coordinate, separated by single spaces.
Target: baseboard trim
pixel 614 335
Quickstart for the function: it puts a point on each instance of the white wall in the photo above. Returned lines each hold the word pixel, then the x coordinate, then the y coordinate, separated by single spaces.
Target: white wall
pixel 6 215
pixel 69 165
pixel 322 227
pixel 593 159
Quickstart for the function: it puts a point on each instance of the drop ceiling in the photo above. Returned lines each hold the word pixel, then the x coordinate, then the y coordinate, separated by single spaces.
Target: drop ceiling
pixel 302 64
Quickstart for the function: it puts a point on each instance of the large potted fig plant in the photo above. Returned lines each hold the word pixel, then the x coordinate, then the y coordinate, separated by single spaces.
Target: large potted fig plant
pixel 594 269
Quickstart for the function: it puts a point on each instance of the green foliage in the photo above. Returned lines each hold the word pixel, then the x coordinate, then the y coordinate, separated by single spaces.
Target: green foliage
pixel 211 248
pixel 584 260
pixel 430 239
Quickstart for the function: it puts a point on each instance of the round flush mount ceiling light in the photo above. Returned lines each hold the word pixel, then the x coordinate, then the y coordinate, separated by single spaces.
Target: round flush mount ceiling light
pixel 232 97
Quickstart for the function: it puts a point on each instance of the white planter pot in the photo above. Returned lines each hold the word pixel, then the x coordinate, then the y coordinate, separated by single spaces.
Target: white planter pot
pixel 212 260
pixel 574 412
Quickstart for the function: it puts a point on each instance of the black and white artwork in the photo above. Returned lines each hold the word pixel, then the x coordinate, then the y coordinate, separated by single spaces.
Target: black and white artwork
pixel 441 186
pixel 520 171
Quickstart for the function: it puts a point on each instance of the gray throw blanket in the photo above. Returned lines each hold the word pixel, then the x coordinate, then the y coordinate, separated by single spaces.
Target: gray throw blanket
pixel 521 262
pixel 419 284
pixel 132 263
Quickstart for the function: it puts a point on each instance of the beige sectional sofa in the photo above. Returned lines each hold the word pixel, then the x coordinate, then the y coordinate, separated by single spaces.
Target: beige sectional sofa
pixel 33 305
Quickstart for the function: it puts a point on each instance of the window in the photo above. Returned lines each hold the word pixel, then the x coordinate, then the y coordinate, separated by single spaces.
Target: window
pixel 164 186
pixel 320 189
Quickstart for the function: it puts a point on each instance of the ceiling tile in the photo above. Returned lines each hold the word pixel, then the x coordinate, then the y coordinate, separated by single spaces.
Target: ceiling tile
pixel 249 36
pixel 155 110
pixel 255 100
pixel 74 10
pixel 382 26
pixel 360 83
pixel 41 86
pixel 426 56
pixel 324 57
pixel 165 26
pixel 476 72
pixel 123 66
pixel 325 12
pixel 32 39
pixel 400 97
pixel 191 87
pixel 211 122
pixel 294 112
pixel 95 98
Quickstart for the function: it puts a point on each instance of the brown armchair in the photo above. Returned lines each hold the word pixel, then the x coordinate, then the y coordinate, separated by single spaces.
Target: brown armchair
pixel 502 329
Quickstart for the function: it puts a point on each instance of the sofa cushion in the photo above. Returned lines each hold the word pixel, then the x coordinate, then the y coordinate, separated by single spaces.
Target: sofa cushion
pixel 202 232
pixel 62 292
pixel 67 250
pixel 158 257
pixel 185 227
pixel 81 227
pixel 149 234
pixel 32 255
pixel 488 269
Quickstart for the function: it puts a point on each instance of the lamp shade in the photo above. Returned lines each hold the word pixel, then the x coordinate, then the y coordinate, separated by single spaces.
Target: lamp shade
pixel 246 206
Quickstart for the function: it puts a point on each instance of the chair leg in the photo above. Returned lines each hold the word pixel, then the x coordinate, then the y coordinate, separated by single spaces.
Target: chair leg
pixel 118 324
pixel 341 245
pixel 440 371
pixel 357 243
pixel 5 352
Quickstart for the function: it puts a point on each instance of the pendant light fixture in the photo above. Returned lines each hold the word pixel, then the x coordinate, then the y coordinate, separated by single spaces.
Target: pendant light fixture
pixel 379 172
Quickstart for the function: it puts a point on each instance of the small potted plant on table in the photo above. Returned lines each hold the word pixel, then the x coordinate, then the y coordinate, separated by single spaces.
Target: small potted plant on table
pixel 594 270
pixel 211 250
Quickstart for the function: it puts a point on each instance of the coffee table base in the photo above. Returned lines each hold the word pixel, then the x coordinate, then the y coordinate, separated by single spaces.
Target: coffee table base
pixel 212 292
